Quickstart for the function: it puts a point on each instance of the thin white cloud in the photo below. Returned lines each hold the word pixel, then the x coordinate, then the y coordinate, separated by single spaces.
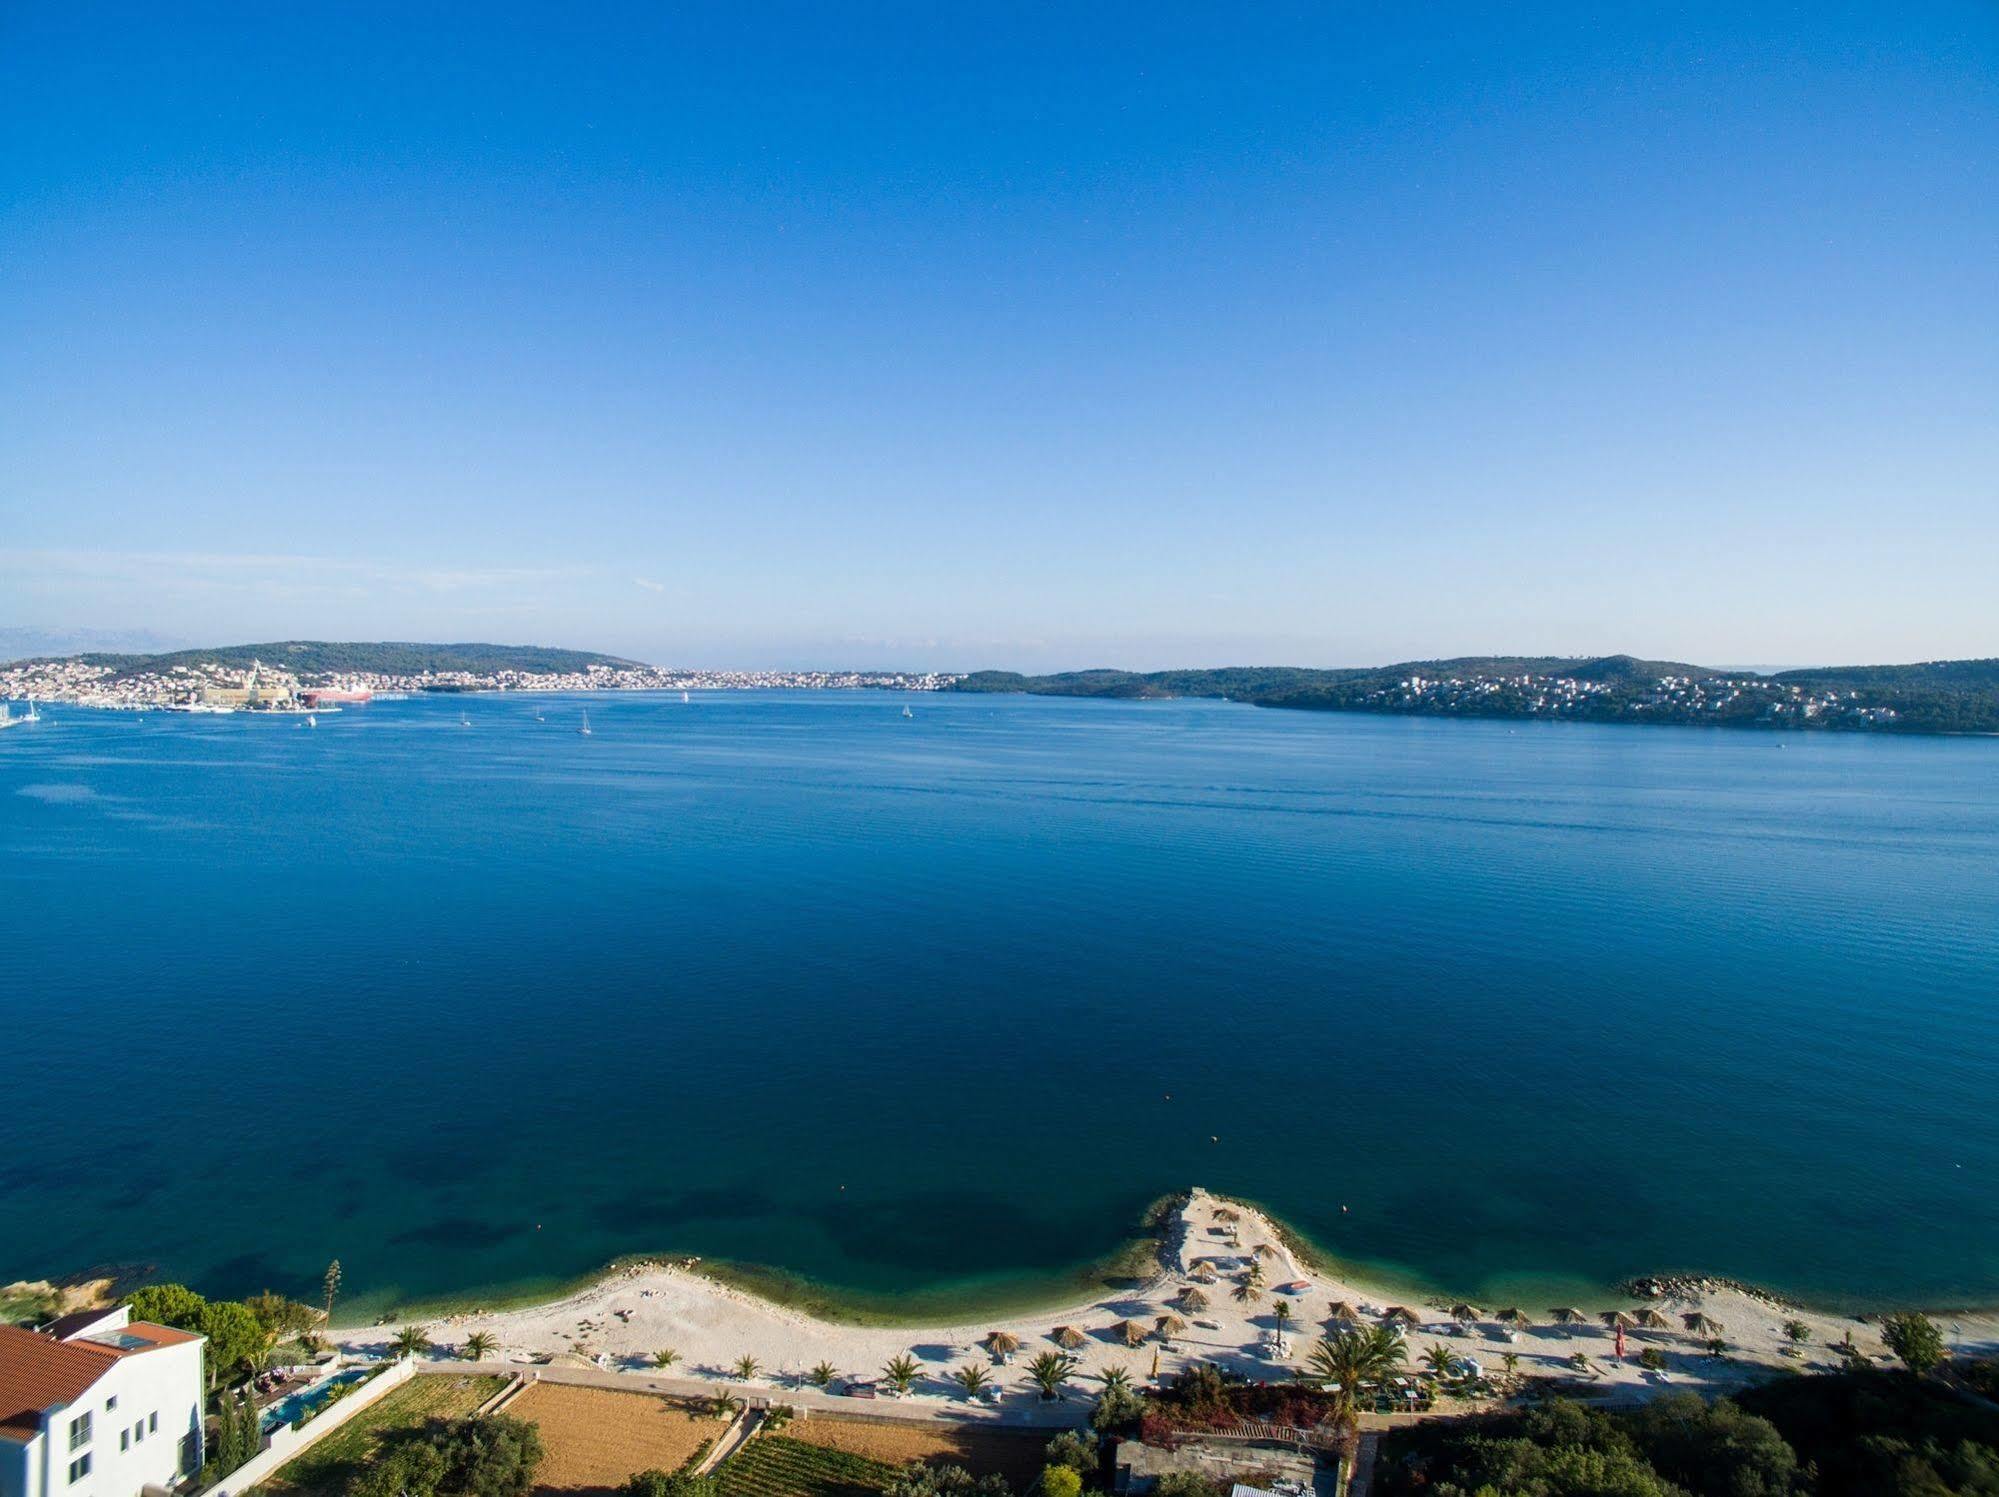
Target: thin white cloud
pixel 649 585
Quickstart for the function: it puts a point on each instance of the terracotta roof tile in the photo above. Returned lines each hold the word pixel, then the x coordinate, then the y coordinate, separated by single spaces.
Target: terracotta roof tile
pixel 37 1371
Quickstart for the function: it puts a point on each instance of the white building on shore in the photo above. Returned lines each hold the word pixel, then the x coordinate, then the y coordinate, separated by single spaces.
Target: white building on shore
pixel 98 1405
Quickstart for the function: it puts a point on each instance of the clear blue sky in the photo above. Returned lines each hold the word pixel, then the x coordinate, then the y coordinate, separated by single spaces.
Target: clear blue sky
pixel 1013 336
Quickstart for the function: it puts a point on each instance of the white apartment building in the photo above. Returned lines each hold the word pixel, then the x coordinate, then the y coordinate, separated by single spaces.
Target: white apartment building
pixel 98 1405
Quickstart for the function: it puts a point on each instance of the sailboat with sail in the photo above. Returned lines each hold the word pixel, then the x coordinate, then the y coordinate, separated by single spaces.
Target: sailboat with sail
pixel 585 729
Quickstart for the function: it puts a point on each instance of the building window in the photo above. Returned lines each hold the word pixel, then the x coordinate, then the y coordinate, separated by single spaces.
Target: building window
pixel 139 1430
pixel 124 1439
pixel 80 1467
pixel 111 1403
pixel 79 1432
pixel 153 1422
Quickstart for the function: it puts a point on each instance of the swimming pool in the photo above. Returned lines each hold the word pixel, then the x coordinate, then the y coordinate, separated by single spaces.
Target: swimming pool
pixel 308 1401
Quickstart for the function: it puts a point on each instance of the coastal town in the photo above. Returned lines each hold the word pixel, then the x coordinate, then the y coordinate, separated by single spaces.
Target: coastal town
pixel 213 686
pixel 1666 698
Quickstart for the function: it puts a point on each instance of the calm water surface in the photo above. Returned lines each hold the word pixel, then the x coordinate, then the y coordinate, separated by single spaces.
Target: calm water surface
pixel 944 1002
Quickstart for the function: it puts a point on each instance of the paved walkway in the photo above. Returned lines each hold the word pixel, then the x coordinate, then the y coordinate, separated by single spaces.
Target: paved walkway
pixel 1362 1482
pixel 1072 1412
pixel 733 1439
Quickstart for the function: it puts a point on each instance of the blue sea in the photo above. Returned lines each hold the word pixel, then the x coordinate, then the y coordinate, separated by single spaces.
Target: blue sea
pixel 940 1003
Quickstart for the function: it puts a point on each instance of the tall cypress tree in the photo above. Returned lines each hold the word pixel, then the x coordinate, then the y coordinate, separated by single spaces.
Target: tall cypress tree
pixel 225 1435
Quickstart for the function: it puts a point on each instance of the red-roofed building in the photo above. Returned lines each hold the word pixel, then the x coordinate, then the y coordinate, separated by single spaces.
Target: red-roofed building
pixel 98 1405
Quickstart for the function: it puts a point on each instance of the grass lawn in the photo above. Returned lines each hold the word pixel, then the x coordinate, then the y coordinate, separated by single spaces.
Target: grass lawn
pixel 774 1466
pixel 324 1470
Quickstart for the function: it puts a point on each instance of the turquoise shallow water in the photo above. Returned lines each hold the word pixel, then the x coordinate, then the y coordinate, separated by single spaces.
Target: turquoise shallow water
pixel 899 1004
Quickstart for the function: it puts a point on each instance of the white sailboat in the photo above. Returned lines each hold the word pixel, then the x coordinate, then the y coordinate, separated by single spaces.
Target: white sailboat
pixel 311 721
pixel 585 729
pixel 907 713
pixel 683 698
pixel 34 714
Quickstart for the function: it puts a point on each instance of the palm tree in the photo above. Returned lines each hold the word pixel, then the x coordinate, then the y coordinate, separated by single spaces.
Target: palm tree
pixel 1282 1310
pixel 665 1357
pixel 746 1368
pixel 971 1377
pixel 1115 1380
pixel 776 1418
pixel 1248 1292
pixel 1049 1371
pixel 1440 1359
pixel 822 1376
pixel 1351 1358
pixel 900 1372
pixel 477 1345
pixel 1254 1273
pixel 412 1340
pixel 724 1405
pixel 1510 1360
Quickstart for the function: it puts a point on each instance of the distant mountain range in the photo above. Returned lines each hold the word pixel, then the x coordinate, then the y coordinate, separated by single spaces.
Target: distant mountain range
pixel 307 657
pixel 1935 697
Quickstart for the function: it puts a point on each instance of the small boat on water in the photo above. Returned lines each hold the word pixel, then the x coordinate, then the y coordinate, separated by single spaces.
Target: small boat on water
pixel 585 729
pixel 311 721
pixel 33 714
pixel 683 698
pixel 464 721
pixel 907 713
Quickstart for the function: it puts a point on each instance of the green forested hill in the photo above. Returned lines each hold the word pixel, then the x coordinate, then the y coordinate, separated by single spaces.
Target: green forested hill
pixel 391 657
pixel 1298 684
pixel 1938 697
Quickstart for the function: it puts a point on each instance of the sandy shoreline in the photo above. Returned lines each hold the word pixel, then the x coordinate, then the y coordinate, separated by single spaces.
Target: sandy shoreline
pixel 620 1321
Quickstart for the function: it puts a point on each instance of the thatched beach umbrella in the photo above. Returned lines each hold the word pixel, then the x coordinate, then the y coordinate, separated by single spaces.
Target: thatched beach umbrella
pixel 1462 1311
pixel 1652 1320
pixel 1702 1325
pixel 1206 1272
pixel 999 1343
pixel 1130 1332
pixel 1227 1214
pixel 1067 1337
pixel 1403 1314
pixel 1193 1299
pixel 1342 1312
pixel 1512 1315
pixel 1614 1320
pixel 1264 1250
pixel 1169 1326
pixel 1566 1315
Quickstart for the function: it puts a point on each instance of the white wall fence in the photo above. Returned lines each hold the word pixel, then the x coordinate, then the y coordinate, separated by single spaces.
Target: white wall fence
pixel 285 1442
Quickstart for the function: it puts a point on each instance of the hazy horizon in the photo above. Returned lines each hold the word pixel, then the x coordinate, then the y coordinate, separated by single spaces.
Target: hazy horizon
pixel 1024 339
pixel 18 643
